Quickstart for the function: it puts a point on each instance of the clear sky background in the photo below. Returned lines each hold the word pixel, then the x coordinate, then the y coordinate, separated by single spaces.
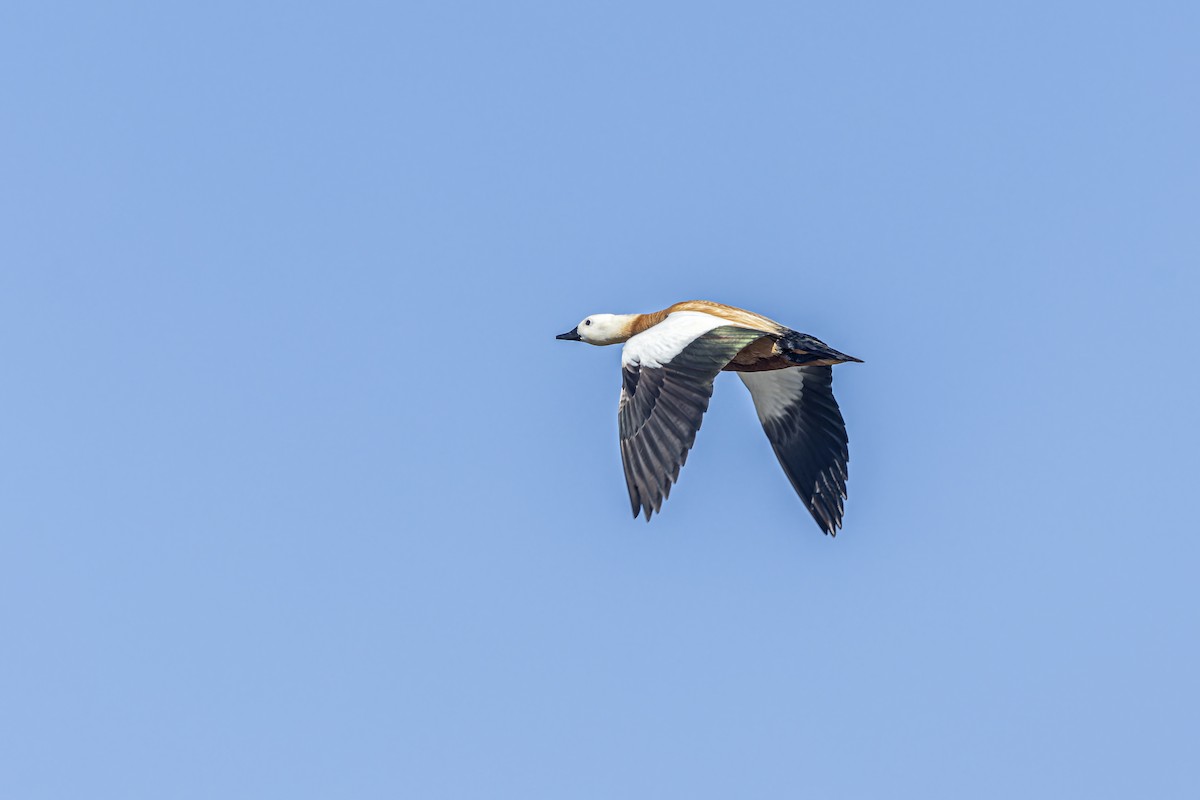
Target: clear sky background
pixel 300 498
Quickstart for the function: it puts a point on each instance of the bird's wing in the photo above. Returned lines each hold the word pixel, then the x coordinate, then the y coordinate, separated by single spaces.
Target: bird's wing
pixel 667 380
pixel 801 417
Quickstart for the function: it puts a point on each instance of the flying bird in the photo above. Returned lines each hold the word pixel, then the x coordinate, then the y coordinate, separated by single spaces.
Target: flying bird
pixel 668 365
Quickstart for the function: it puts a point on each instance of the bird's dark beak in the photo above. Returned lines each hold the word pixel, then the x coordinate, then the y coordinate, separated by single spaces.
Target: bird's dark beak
pixel 570 336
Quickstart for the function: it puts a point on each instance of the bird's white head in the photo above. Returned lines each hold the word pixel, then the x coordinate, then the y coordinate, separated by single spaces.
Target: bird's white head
pixel 602 329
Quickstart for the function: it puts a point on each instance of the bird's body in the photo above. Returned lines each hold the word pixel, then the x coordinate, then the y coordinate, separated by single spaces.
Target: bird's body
pixel 668 364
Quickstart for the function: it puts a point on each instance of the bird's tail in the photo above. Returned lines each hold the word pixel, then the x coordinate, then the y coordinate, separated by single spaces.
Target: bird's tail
pixel 800 348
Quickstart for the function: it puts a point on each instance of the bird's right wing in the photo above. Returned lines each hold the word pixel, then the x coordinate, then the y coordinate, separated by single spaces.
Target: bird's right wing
pixel 667 380
pixel 801 418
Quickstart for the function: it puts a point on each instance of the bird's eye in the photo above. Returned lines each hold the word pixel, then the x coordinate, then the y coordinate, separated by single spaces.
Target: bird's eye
pixel 587 322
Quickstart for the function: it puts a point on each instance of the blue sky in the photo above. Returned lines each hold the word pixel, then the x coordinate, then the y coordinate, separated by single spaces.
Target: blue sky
pixel 302 499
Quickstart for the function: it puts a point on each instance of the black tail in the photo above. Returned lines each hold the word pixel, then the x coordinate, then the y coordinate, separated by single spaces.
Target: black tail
pixel 800 348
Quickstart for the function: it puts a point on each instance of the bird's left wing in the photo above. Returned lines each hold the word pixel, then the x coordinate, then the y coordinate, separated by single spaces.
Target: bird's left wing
pixel 801 418
pixel 667 379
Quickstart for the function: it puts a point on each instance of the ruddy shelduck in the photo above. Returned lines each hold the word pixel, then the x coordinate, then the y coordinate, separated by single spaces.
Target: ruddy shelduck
pixel 668 365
